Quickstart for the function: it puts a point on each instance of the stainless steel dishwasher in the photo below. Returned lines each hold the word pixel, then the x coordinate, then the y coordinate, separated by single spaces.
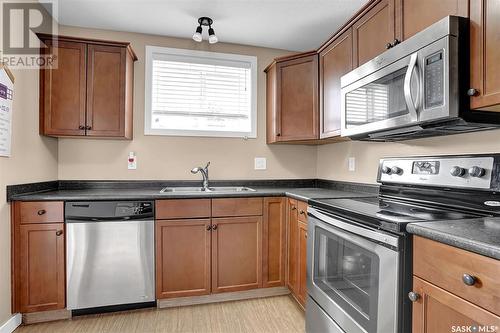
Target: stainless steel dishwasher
pixel 109 254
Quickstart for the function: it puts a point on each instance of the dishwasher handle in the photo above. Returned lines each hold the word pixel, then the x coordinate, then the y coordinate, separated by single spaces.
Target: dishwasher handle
pixel 89 219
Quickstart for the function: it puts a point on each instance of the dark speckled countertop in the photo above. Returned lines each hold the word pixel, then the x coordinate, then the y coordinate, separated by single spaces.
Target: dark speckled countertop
pixel 479 235
pixel 154 194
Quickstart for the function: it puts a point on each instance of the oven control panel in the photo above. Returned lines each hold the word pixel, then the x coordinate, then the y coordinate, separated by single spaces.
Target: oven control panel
pixel 461 172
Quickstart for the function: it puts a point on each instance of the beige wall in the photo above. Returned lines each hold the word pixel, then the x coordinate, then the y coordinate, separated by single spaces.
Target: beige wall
pixel 164 157
pixel 332 160
pixel 34 158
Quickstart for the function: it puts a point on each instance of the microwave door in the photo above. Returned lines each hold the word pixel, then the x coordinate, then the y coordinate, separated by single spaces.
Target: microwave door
pixel 378 101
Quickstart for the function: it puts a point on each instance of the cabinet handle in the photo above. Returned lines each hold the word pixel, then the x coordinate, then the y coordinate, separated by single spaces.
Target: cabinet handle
pixel 278 134
pixel 388 46
pixel 294 208
pixel 302 212
pixel 395 42
pixel 41 212
pixel 209 227
pixel 81 127
pixel 472 92
pixel 88 128
pixel 413 296
pixel 59 232
pixel 214 227
pixel 469 279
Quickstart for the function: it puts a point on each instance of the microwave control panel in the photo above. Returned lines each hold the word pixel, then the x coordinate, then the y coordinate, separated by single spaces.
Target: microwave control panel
pixel 434 80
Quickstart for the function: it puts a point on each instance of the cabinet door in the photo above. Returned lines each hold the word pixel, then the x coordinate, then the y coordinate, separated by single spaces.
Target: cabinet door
pixel 419 14
pixel 437 310
pixel 297 93
pixel 273 242
pixel 106 70
pixel 373 31
pixel 485 54
pixel 183 258
pixel 236 253
pixel 63 90
pixel 41 265
pixel 292 245
pixel 302 274
pixel 334 62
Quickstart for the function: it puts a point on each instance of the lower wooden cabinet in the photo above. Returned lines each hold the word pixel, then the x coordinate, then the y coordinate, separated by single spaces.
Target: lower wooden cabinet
pixel 292 246
pixel 453 290
pixel 438 310
pixel 297 249
pixel 274 242
pixel 302 255
pixel 38 264
pixel 183 254
pixel 236 253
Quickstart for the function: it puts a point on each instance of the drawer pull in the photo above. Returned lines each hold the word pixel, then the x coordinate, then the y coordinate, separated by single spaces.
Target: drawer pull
pixel 214 227
pixel 209 227
pixel 302 212
pixel 413 296
pixel 59 232
pixel 294 208
pixel 469 279
pixel 41 212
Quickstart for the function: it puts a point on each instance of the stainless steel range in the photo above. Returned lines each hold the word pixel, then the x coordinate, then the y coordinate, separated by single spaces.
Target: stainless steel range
pixel 359 254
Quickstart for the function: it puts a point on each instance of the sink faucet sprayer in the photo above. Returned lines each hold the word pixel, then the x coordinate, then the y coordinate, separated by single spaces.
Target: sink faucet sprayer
pixel 204 173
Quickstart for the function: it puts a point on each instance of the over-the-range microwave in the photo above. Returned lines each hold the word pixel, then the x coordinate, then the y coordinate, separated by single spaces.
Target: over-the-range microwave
pixel 418 88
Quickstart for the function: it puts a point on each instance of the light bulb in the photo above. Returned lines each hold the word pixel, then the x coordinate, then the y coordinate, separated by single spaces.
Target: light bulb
pixel 197 35
pixel 212 38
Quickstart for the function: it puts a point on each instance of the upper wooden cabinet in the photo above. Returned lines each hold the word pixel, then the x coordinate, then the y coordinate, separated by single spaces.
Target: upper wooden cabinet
pixel 335 60
pixel 292 98
pixel 419 14
pixel 90 91
pixel 485 54
pixel 373 31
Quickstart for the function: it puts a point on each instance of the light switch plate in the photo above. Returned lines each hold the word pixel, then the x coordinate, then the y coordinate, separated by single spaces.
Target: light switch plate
pixel 351 162
pixel 132 161
pixel 260 163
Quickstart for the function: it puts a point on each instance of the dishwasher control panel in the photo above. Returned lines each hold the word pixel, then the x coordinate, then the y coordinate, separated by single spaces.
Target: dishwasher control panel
pixel 108 210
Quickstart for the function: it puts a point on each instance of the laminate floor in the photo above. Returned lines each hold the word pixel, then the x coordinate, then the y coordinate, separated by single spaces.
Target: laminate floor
pixel 273 314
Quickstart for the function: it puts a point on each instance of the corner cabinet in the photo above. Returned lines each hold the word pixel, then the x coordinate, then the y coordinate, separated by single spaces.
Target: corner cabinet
pixel 88 92
pixel 335 60
pixel 292 99
pixel 38 264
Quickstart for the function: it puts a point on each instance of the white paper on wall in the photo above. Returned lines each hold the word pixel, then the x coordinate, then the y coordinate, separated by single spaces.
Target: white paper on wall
pixel 6 96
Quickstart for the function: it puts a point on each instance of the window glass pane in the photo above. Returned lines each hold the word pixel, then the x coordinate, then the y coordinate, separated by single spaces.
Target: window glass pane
pixel 201 94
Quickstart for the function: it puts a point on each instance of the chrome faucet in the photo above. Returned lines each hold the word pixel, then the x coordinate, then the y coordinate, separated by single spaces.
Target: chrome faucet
pixel 204 173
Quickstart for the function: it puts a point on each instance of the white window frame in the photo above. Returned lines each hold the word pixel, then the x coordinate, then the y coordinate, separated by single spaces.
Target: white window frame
pixel 156 52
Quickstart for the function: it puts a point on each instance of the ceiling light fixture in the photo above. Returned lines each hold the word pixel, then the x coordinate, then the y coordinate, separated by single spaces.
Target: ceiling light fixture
pixel 205 21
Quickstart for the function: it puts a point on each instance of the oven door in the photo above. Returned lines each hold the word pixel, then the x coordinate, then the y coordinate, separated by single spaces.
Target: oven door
pixel 353 274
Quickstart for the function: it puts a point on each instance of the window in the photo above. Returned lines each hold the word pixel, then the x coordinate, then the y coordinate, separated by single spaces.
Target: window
pixel 196 93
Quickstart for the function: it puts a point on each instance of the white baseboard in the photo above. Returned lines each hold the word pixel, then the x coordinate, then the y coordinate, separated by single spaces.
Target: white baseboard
pixel 10 325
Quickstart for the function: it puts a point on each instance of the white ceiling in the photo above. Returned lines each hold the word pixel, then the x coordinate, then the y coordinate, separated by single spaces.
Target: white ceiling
pixel 295 25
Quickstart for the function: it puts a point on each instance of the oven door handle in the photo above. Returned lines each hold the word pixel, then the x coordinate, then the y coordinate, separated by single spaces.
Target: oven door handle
pixel 412 106
pixel 352 228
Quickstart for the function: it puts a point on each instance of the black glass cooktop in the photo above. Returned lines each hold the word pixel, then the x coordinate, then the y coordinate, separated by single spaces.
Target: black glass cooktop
pixel 390 214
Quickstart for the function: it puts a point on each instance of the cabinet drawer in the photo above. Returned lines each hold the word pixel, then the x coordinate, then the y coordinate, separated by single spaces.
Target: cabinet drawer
pixel 302 211
pixel 445 266
pixel 236 207
pixel 182 208
pixel 40 211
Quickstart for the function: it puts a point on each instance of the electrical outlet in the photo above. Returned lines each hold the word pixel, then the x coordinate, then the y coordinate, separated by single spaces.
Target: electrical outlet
pixel 132 161
pixel 351 162
pixel 260 163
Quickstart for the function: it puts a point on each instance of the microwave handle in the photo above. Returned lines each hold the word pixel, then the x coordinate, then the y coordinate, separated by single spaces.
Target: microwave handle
pixel 412 106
